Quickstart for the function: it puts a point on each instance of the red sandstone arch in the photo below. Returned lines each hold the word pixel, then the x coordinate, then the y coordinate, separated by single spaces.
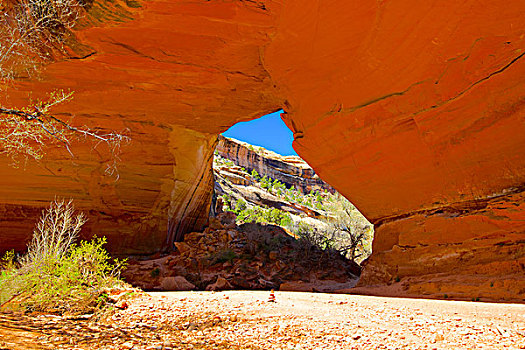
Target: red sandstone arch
pixel 414 110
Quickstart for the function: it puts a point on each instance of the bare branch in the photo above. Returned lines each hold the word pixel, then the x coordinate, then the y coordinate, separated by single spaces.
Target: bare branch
pixel 29 31
pixel 25 132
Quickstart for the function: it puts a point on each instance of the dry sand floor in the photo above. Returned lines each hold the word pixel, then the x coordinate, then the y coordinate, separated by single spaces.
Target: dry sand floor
pixel 248 320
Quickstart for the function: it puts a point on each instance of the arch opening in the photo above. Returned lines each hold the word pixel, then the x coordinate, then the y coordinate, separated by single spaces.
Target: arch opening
pixel 260 179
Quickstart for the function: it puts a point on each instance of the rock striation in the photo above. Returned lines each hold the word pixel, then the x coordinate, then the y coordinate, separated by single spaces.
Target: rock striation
pixel 172 76
pixel 414 110
pixel 290 170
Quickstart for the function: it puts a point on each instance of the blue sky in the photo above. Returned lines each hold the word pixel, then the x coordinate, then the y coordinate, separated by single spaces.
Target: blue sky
pixel 268 131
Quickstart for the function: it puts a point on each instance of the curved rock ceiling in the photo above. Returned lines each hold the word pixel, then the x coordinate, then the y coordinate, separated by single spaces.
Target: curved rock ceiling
pixel 412 109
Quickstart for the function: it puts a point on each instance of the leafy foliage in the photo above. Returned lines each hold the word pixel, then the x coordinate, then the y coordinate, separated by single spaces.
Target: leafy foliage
pixel 258 214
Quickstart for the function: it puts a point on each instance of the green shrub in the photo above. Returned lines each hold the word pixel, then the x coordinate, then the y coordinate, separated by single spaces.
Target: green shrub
pixel 223 256
pixel 245 215
pixel 263 215
pixel 8 261
pixel 227 202
pixel 266 183
pixel 286 220
pixel 240 205
pixel 57 275
pixel 155 272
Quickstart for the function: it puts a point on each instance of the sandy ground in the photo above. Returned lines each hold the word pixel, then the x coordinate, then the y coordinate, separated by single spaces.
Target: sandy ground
pixel 248 320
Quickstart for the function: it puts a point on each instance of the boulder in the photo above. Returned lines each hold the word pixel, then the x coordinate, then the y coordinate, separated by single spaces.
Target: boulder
pixel 296 286
pixel 182 247
pixel 177 283
pixel 221 284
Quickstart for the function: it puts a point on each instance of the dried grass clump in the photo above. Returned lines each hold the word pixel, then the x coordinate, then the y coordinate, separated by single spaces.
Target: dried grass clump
pixel 56 274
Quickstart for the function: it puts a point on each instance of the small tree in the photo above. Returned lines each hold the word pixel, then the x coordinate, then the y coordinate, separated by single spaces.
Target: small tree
pixel 351 231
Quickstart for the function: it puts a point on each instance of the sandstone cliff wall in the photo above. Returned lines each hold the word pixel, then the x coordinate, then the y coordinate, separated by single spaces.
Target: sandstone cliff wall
pixel 290 170
pixel 172 75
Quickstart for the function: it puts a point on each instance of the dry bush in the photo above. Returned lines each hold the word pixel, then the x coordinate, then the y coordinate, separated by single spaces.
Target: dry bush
pixel 24 135
pixel 350 230
pixel 54 234
pixel 345 232
pixel 57 275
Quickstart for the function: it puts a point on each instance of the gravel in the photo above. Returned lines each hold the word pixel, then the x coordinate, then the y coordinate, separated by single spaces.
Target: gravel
pixel 248 320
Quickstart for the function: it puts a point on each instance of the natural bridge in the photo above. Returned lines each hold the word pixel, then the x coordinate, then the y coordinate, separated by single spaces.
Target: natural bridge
pixel 414 110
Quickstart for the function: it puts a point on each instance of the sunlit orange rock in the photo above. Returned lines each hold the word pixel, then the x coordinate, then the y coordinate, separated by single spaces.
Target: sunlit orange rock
pixel 415 111
pixel 290 170
pixel 412 109
pixel 169 74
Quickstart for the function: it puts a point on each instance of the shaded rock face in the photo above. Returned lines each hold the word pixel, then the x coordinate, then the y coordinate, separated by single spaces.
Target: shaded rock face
pixel 290 170
pixel 414 110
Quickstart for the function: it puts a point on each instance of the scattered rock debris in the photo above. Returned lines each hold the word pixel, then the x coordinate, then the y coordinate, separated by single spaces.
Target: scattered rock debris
pixel 245 320
pixel 250 256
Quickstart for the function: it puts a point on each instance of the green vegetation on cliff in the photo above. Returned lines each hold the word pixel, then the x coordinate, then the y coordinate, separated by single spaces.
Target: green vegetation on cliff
pixel 320 217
